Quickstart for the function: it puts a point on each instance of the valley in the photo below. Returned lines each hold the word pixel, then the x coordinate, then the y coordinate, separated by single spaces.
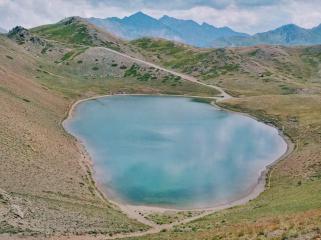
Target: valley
pixel 46 183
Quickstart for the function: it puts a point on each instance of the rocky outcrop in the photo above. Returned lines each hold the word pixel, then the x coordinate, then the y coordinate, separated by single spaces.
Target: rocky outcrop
pixel 22 35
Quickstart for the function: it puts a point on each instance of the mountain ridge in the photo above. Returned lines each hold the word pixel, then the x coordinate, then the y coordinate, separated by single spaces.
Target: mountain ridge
pixel 204 35
pixel 288 35
pixel 136 26
pixel 141 25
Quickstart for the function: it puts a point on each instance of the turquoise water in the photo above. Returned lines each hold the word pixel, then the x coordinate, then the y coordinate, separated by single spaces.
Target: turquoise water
pixel 173 151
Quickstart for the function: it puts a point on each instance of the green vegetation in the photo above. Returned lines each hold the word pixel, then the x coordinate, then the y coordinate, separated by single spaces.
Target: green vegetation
pixel 243 71
pixel 172 83
pixel 69 31
pixel 169 217
pixel 203 100
pixel 7 228
pixel 51 180
pixel 132 71
pixel 74 53
pixel 76 32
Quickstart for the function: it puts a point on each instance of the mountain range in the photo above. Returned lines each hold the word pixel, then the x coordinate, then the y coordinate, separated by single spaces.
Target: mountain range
pixel 141 25
pixel 289 34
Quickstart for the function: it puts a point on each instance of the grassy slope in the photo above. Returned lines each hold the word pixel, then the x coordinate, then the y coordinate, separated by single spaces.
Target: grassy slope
pixel 76 31
pixel 242 71
pixel 91 66
pixel 290 208
pixel 45 181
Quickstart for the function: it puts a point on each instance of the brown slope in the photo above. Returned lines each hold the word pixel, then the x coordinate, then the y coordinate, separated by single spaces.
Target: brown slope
pixel 46 183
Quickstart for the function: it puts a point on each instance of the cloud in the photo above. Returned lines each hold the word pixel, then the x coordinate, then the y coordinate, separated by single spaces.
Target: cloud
pixel 242 15
pixel 253 16
pixel 305 13
pixel 31 13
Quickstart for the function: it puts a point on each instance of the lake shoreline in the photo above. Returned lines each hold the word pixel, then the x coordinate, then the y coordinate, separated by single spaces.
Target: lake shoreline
pixel 134 211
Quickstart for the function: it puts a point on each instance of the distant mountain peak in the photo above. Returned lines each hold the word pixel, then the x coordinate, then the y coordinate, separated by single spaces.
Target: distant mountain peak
pixel 140 15
pixel 140 25
pixel 289 35
pixel 70 20
pixel 167 18
pixel 290 27
pixel 319 26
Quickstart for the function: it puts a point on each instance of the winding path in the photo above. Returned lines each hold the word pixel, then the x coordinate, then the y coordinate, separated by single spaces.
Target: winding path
pixel 223 94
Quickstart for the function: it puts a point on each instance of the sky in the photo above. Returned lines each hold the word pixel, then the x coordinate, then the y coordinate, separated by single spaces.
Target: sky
pixel 248 16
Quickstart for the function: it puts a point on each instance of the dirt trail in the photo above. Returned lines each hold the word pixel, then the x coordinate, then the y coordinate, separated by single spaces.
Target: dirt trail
pixel 223 94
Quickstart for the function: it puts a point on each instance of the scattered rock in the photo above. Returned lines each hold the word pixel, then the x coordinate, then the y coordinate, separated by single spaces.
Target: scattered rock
pixel 4 197
pixel 16 210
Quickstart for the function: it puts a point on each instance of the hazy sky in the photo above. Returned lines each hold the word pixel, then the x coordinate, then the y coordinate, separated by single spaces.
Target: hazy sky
pixel 242 15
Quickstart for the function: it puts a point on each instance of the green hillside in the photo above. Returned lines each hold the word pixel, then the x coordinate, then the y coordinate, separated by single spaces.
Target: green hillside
pixel 76 31
pixel 242 71
pixel 70 31
pixel 278 85
pixel 46 184
pixel 46 177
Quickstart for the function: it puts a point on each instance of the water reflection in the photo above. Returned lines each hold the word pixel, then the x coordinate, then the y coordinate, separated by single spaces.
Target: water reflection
pixel 173 151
